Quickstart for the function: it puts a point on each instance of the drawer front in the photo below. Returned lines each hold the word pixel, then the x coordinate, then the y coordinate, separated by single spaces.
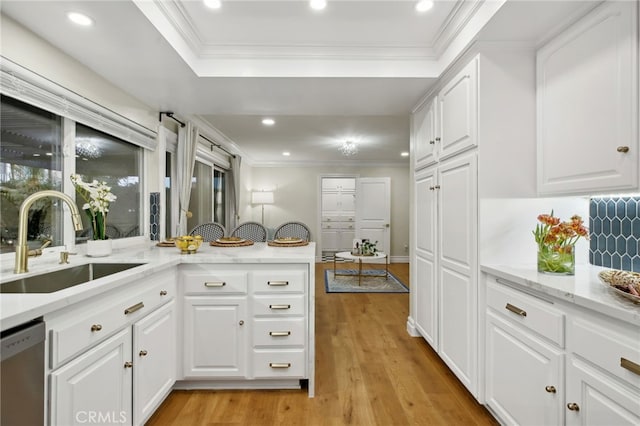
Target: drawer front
pixel 281 305
pixel 278 281
pixel 211 283
pixel 534 314
pixel 281 363
pixel 279 332
pixel 87 325
pixel 615 350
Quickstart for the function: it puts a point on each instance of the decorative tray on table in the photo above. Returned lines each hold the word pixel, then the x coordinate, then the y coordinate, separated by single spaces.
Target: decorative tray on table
pixel 288 242
pixel 624 283
pixel 231 242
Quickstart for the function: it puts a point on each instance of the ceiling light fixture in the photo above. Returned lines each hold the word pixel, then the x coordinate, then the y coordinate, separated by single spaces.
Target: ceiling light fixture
pixel 213 4
pixel 318 4
pixel 424 5
pixel 80 19
pixel 286 153
pixel 348 148
pixel 268 121
pixel 404 154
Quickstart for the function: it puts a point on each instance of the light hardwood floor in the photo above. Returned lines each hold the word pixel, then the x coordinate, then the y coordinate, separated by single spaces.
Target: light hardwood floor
pixel 369 371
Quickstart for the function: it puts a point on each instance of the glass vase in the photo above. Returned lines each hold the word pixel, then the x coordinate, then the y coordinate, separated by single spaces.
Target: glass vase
pixel 555 262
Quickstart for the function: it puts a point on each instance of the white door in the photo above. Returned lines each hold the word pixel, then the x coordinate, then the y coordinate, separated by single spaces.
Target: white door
pixel 154 358
pixel 373 211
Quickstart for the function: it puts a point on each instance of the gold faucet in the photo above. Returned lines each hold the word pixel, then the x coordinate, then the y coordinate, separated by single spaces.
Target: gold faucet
pixel 22 251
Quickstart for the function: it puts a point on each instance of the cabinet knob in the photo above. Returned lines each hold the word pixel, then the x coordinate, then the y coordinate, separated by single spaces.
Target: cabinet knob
pixel 438 139
pixel 432 142
pixel 241 322
pixel 96 327
pixel 624 149
pixel 128 364
pixel 550 389
pixel 573 406
pixel 143 353
pixel 163 292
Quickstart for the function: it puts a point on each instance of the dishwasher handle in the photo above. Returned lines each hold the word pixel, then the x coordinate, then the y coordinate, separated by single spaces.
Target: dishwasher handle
pixel 21 338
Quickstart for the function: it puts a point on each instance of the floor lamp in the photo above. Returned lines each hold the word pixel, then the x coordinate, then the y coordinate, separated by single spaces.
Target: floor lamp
pixel 262 197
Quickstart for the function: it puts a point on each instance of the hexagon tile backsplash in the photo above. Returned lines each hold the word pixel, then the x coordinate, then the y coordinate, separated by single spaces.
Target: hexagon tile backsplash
pixel 614 225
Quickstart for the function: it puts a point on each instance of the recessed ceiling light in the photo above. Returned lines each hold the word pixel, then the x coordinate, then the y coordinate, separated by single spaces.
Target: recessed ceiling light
pixel 318 4
pixel 80 19
pixel 36 155
pixel 404 154
pixel 49 154
pixel 286 153
pixel 424 5
pixel 268 121
pixel 213 4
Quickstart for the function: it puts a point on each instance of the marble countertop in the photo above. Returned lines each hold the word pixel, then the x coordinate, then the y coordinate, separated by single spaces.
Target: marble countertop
pixel 582 289
pixel 17 308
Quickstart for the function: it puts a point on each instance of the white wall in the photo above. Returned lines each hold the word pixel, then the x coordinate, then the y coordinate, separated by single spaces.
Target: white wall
pixel 297 194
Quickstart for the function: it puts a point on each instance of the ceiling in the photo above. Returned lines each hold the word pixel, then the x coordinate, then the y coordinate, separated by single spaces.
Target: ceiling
pixel 354 70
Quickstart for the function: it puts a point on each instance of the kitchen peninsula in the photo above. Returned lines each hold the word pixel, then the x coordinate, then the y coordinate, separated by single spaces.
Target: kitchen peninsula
pixel 240 317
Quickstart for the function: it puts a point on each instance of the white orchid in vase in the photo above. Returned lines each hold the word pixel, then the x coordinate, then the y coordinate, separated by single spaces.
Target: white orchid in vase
pixel 97 197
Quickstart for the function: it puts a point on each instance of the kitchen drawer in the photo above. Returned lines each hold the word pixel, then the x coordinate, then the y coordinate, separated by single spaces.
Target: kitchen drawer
pixel 278 281
pixel 535 314
pixel 213 282
pixel 283 304
pixel 338 225
pixel 279 332
pixel 607 347
pixel 279 363
pixel 78 329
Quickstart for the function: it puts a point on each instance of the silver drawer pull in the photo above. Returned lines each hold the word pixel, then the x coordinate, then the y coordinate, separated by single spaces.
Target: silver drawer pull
pixel 215 284
pixel 279 364
pixel 516 310
pixel 163 292
pixel 630 365
pixel 279 306
pixel 96 327
pixel 132 309
pixel 279 333
pixel 277 283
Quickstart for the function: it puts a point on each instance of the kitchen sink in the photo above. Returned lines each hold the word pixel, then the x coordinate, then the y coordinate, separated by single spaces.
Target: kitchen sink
pixel 64 278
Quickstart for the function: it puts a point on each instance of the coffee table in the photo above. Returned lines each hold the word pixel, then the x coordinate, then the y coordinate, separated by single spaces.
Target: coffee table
pixel 362 259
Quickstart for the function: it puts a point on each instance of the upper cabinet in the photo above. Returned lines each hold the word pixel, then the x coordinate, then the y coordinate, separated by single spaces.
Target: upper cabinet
pixel 587 102
pixel 424 130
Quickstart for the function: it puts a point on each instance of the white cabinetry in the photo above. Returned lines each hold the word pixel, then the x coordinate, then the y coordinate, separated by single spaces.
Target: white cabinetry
pixel 425 135
pixel 524 357
pixel 587 79
pixel 338 213
pixel 113 359
pixel 247 325
pixel 549 362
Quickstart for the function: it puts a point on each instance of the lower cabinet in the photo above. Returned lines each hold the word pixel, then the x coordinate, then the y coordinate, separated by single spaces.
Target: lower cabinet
pixel 113 360
pixel 548 362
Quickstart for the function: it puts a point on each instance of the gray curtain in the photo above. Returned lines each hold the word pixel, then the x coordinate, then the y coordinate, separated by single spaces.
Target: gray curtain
pixel 187 146
pixel 234 193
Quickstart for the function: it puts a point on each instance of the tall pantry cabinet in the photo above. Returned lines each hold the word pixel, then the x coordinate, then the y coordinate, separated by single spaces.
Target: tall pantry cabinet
pixel 467 142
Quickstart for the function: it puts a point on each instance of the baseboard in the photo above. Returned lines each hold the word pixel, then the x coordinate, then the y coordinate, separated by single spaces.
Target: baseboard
pixel 237 384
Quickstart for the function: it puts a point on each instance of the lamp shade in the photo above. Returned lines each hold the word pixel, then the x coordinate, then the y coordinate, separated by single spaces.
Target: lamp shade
pixel 262 197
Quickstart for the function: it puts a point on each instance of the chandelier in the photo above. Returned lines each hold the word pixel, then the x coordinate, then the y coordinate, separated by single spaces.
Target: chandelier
pixel 348 148
pixel 87 149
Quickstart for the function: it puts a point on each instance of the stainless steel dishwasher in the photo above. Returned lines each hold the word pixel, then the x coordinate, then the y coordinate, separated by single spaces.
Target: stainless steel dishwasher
pixel 22 375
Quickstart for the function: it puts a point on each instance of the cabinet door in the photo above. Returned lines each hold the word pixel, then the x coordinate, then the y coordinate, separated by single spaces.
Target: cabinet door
pixel 524 383
pixel 587 80
pixel 424 121
pixel 95 387
pixel 215 337
pixel 457 260
pixel 458 112
pixel 595 398
pixel 330 238
pixel 425 288
pixel 154 357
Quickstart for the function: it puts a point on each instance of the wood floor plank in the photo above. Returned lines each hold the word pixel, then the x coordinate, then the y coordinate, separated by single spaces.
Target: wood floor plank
pixel 369 372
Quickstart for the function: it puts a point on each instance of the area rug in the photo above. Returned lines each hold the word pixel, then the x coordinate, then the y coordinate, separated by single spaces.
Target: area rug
pixel 369 284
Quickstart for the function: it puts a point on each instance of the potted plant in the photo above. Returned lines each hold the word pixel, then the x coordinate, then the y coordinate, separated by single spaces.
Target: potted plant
pixel 368 248
pixel 556 242
pixel 97 197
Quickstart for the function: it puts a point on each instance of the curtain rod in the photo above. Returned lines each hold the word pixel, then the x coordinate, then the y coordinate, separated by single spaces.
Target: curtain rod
pixel 216 145
pixel 169 114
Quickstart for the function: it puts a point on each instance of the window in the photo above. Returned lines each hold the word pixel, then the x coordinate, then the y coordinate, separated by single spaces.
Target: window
pixel 208 195
pixel 118 163
pixel 219 196
pixel 30 161
pixel 168 172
